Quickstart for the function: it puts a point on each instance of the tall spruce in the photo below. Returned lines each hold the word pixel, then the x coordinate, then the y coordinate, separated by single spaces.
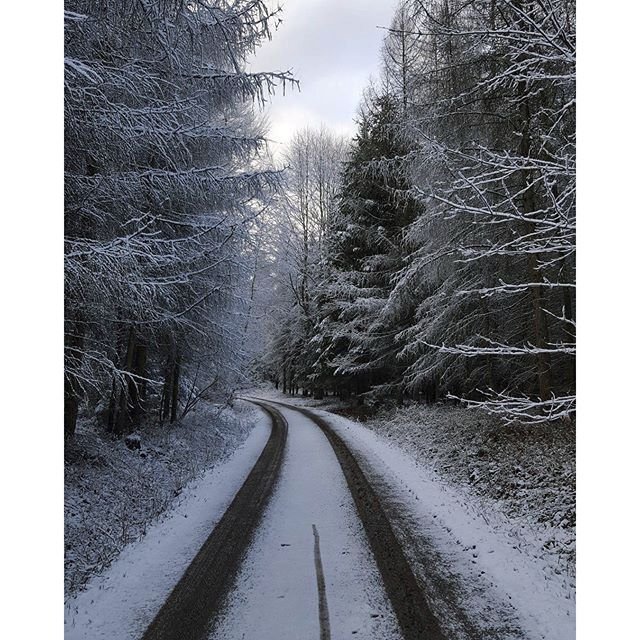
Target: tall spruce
pixel 366 254
pixel 493 118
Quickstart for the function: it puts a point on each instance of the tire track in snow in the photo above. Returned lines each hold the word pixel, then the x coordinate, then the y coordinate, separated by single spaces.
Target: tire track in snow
pixel 414 615
pixel 197 597
pixel 323 608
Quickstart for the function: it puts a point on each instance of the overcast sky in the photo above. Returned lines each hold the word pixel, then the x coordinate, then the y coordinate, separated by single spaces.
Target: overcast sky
pixel 333 48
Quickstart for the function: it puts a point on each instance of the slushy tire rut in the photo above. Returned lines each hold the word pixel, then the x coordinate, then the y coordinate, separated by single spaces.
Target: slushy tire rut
pixel 197 598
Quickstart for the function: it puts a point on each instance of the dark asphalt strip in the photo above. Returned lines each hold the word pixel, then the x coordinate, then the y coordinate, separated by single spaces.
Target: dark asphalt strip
pixel 197 598
pixel 414 615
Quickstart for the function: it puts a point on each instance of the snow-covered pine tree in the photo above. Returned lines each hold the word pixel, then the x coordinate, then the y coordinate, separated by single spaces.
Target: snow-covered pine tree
pixel 162 170
pixel 366 254
pixel 493 118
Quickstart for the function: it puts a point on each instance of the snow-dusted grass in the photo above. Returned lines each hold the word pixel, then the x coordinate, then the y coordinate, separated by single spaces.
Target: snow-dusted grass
pixel 113 494
pixel 525 475
pixel 121 602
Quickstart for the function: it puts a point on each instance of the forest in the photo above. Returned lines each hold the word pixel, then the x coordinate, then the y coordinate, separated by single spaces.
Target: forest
pixel 430 258
pixel 319 320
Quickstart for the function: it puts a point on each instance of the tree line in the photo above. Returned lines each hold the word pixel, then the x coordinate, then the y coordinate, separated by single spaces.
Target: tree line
pixel 165 174
pixel 434 255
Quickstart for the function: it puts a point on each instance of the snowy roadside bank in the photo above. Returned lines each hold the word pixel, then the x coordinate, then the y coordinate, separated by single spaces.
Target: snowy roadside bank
pixel 121 602
pixel 113 494
pixel 522 477
pixel 508 560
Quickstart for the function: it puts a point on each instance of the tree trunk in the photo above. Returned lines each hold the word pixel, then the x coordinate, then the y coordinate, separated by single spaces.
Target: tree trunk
pixel 540 328
pixel 73 342
pixel 111 414
pixel 71 405
pixel 175 390
pixel 122 421
pixel 137 387
pixel 541 333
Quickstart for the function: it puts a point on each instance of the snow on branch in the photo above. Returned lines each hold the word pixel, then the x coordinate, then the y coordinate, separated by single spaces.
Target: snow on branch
pixel 504 288
pixel 499 349
pixel 523 410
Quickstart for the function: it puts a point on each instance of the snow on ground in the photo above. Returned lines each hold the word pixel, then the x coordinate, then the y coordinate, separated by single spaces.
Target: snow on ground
pixel 505 579
pixel 525 476
pixel 120 603
pixel 276 595
pixel 113 493
pixel 474 539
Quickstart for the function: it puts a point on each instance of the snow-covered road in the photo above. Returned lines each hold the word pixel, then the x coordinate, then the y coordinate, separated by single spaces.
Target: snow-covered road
pixel 276 595
pixel 316 567
pixel 478 579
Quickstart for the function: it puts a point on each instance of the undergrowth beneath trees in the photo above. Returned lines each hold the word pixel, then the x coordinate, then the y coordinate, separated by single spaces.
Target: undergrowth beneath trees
pixel 113 493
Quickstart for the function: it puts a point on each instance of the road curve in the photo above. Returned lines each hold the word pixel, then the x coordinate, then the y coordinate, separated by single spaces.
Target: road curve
pixel 196 598
pixel 310 573
pixel 414 615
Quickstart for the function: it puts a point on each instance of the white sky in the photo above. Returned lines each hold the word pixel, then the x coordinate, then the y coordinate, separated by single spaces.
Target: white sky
pixel 333 48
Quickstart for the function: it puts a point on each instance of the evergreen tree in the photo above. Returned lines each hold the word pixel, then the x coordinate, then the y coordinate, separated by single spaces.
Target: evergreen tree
pixel 493 117
pixel 366 254
pixel 162 173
